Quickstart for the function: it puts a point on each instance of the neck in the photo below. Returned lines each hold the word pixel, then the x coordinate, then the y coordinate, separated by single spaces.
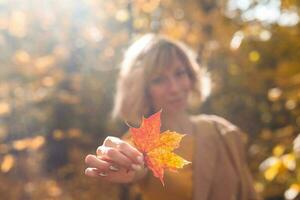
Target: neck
pixel 179 122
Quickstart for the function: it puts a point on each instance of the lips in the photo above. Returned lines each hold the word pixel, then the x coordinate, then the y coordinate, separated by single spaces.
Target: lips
pixel 176 101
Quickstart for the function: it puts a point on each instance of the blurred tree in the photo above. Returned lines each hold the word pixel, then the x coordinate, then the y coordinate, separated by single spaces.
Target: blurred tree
pixel 59 65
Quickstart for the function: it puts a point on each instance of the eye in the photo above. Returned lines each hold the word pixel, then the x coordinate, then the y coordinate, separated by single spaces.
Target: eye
pixel 157 80
pixel 181 72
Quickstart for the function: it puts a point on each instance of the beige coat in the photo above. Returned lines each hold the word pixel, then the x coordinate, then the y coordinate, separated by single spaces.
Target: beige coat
pixel 221 171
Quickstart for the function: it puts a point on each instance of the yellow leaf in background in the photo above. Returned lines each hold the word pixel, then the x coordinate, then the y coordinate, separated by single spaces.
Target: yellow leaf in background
pixel 192 38
pixel 295 80
pixel 268 163
pixel 122 15
pixel 18 24
pixel 61 52
pixel 29 143
pixel 274 94
pixel 148 6
pixel 278 150
pixel 22 57
pixel 140 23
pixel 292 192
pixel 254 56
pixel 266 134
pixel 42 64
pixel 53 189
pixel 291 104
pixel 288 4
pixel 4 108
pixel 286 131
pixel 74 133
pixel 20 145
pixel 259 187
pixel 7 163
pixel 92 33
pixel 289 161
pixel 68 98
pixel 48 81
pixel 272 172
pixel 271 167
pixel 275 165
pixel 58 134
pixel 36 142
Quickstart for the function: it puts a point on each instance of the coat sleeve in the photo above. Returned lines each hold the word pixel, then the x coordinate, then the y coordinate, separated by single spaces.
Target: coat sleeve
pixel 252 194
pixel 232 132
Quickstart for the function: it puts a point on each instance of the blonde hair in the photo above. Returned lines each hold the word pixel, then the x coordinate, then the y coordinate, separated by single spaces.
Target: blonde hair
pixel 143 59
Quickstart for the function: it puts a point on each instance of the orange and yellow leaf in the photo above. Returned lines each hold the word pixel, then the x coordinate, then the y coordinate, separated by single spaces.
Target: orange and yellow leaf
pixel 157 147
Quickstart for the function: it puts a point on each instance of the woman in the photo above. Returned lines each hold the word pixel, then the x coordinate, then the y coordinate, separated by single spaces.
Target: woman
pixel 159 73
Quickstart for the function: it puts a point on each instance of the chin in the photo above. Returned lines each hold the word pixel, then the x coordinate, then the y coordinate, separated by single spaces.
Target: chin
pixel 176 109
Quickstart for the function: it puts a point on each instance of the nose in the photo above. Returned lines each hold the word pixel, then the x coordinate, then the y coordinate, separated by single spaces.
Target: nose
pixel 173 85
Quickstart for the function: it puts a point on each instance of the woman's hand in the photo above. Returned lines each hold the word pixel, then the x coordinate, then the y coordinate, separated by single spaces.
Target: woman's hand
pixel 116 161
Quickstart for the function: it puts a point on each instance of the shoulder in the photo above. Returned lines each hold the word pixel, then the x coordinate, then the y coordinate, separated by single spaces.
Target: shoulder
pixel 214 119
pixel 225 127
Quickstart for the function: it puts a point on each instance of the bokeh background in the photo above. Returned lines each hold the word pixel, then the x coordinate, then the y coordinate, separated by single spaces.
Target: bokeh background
pixel 59 63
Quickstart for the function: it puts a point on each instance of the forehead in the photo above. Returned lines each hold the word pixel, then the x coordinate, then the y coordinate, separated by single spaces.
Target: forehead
pixel 169 59
pixel 173 65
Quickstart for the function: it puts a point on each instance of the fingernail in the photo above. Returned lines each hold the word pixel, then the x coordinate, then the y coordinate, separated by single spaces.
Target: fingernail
pixel 113 168
pixel 140 160
pixel 103 174
pixel 96 170
pixel 136 167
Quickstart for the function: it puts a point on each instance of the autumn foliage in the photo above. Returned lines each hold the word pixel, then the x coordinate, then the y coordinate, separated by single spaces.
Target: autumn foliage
pixel 57 76
pixel 157 147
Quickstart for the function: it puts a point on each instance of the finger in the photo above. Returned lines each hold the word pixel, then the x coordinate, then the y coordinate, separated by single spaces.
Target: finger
pixel 92 172
pixel 101 173
pixel 95 162
pixel 131 152
pixel 114 155
pixel 125 148
pixel 111 141
pixel 123 176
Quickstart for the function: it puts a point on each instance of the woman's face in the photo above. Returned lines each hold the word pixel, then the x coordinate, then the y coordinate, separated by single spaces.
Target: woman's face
pixel 169 89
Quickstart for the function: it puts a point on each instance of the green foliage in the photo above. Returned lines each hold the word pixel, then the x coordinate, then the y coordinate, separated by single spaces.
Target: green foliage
pixel 58 69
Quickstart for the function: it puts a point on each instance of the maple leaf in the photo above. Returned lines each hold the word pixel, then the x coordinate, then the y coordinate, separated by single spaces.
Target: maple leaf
pixel 157 147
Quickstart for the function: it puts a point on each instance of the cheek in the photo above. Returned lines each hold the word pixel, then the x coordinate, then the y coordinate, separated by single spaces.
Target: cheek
pixel 156 95
pixel 187 85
